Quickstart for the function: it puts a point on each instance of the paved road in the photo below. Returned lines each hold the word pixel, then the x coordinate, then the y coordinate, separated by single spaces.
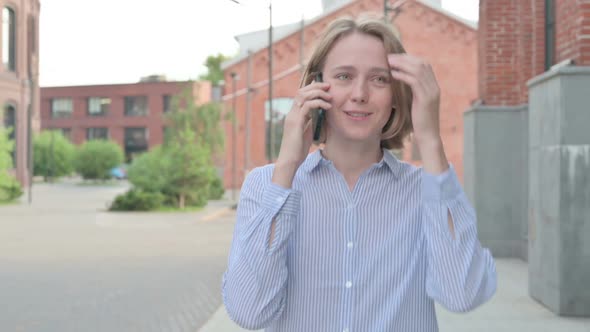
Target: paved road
pixel 68 265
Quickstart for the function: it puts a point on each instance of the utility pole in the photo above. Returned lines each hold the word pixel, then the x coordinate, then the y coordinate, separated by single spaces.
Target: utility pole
pixel 395 9
pixel 234 149
pixel 248 115
pixel 270 111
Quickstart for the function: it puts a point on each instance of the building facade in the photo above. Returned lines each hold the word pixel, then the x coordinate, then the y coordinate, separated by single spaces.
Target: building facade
pixel 527 144
pixel 421 25
pixel 19 77
pixel 130 114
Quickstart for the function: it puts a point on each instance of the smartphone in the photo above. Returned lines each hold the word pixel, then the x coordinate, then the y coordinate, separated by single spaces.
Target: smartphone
pixel 321 113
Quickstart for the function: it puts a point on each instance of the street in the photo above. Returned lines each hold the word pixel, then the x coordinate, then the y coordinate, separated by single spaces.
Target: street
pixel 68 265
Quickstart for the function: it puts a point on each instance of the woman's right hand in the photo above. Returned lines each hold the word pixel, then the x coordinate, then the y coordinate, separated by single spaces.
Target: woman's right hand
pixel 298 131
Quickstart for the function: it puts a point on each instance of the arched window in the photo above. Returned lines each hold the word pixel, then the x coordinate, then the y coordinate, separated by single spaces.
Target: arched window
pixel 10 122
pixel 9 39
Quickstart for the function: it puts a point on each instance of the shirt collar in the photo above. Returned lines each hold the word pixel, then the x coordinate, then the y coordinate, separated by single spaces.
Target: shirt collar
pixel 315 159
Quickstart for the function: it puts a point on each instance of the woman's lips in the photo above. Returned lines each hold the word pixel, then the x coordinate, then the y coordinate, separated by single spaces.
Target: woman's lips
pixel 357 116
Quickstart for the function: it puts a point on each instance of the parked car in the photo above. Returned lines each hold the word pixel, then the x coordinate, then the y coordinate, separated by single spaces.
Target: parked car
pixel 119 172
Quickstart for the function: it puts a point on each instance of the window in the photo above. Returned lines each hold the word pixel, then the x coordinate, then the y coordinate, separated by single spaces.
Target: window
pixel 97 133
pixel 67 133
pixel 61 108
pixel 136 141
pixel 136 106
pixel 281 107
pixel 10 122
pixel 167 100
pixel 98 106
pixel 549 33
pixel 8 39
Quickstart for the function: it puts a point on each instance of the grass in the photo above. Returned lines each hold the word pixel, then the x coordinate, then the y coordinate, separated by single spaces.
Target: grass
pixel 13 202
pixel 98 183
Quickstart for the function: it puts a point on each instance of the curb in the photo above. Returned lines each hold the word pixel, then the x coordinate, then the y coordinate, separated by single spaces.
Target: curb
pixel 216 214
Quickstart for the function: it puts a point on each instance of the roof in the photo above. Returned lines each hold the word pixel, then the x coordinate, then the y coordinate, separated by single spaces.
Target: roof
pixel 285 31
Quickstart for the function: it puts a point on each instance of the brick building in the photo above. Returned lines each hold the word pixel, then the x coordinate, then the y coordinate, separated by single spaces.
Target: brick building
pixel 421 24
pixel 527 144
pixel 129 114
pixel 19 77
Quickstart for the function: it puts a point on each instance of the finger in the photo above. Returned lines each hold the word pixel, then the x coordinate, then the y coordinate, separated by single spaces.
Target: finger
pixel 317 94
pixel 403 60
pixel 315 104
pixel 315 85
pixel 300 98
pixel 410 64
pixel 410 80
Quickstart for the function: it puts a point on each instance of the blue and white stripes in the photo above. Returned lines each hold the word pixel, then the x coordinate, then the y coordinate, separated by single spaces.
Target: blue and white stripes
pixel 373 259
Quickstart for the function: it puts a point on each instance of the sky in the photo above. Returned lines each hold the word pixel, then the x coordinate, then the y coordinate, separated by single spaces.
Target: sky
pixel 85 42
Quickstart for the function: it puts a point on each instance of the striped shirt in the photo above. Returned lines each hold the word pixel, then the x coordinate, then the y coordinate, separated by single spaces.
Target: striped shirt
pixel 371 259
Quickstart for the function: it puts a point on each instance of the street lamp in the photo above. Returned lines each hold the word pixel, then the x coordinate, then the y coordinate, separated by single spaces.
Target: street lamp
pixel 234 78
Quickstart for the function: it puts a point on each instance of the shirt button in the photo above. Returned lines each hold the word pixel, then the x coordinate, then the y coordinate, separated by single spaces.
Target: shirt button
pixel 348 284
pixel 279 199
pixel 346 330
pixel 350 245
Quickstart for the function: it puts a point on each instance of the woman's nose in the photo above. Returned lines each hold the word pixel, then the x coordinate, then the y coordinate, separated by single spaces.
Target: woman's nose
pixel 359 93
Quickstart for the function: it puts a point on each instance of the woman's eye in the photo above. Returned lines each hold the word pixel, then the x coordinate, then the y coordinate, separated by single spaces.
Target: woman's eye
pixel 382 79
pixel 343 77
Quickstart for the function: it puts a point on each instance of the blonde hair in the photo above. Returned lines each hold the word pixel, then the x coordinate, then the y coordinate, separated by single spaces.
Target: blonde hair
pixel 399 125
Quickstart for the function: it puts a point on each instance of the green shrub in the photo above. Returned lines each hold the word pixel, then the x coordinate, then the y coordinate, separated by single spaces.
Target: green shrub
pixel 216 189
pixel 53 155
pixel 181 171
pixel 137 200
pixel 10 188
pixel 148 171
pixel 96 158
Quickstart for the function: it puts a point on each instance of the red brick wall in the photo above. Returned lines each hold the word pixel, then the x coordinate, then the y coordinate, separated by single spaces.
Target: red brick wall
pixel 454 59
pixel 14 89
pixel 499 69
pixel 573 31
pixel 512 44
pixel 115 120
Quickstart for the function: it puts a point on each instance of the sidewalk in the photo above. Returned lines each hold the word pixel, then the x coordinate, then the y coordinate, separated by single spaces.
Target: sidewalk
pixel 510 310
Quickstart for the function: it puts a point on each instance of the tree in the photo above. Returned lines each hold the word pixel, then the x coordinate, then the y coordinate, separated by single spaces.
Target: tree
pixel 10 188
pixel 96 158
pixel 204 120
pixel 190 171
pixel 214 71
pixel 53 155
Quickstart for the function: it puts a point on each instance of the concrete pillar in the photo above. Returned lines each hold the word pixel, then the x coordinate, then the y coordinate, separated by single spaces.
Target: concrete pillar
pixel 559 190
pixel 496 177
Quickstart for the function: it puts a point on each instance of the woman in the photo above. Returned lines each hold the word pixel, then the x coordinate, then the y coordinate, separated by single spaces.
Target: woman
pixel 349 238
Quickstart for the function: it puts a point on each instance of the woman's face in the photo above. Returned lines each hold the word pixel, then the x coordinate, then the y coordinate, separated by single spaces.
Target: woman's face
pixel 360 83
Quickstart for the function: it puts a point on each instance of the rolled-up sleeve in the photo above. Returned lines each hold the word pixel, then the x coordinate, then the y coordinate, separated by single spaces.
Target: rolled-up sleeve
pixel 254 283
pixel 461 275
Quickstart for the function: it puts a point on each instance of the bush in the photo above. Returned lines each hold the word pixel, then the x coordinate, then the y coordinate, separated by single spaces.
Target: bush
pixel 96 158
pixel 53 155
pixel 216 190
pixel 10 188
pixel 148 171
pixel 137 200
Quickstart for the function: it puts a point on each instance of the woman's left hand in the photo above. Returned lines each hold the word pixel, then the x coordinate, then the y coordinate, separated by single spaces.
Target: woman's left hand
pixel 418 74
